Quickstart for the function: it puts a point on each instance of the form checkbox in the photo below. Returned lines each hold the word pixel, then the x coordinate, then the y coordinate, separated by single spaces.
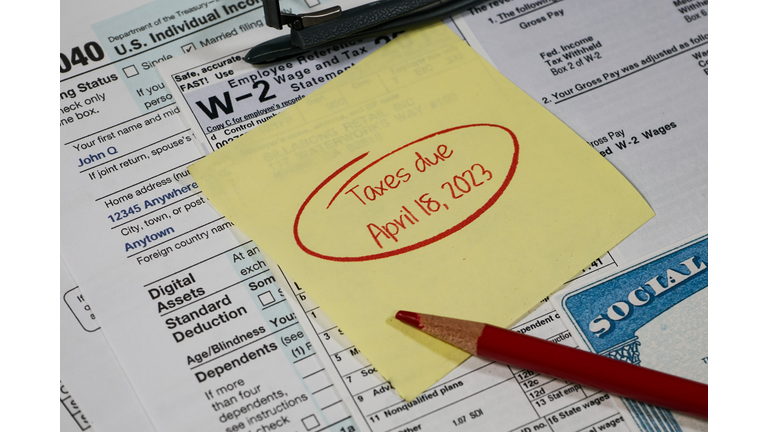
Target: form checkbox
pixel 130 71
pixel 266 298
pixel 188 47
pixel 312 3
pixel 310 422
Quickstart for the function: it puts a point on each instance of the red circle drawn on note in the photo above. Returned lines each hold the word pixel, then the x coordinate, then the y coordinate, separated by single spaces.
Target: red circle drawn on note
pixel 442 235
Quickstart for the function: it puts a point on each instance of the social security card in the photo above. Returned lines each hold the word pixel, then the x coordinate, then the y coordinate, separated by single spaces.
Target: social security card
pixel 653 313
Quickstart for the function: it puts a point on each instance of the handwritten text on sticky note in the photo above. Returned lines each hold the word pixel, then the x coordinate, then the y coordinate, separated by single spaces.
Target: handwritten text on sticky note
pixel 409 198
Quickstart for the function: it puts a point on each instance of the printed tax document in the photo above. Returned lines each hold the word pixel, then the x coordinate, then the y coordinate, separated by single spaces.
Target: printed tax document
pixel 104 397
pixel 478 393
pixel 631 79
pixel 487 180
pixel 193 315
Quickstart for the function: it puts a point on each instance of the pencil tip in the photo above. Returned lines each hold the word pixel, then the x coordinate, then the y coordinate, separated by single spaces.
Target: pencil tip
pixel 411 318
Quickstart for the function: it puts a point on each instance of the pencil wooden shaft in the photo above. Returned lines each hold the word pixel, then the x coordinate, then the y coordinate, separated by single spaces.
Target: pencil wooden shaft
pixel 613 376
pixel 571 364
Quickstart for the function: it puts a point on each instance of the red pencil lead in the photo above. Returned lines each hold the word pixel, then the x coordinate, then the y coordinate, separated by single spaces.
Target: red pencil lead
pixel 410 318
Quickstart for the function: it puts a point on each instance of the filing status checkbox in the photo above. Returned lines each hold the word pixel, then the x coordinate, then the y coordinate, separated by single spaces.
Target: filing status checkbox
pixel 130 71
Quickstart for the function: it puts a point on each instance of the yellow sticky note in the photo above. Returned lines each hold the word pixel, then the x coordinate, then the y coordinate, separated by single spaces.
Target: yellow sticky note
pixel 421 179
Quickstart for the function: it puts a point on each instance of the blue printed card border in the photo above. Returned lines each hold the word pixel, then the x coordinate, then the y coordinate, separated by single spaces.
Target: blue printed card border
pixel 608 311
pixel 607 322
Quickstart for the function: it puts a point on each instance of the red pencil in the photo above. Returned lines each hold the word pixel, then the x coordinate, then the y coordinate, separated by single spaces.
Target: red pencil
pixel 604 373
